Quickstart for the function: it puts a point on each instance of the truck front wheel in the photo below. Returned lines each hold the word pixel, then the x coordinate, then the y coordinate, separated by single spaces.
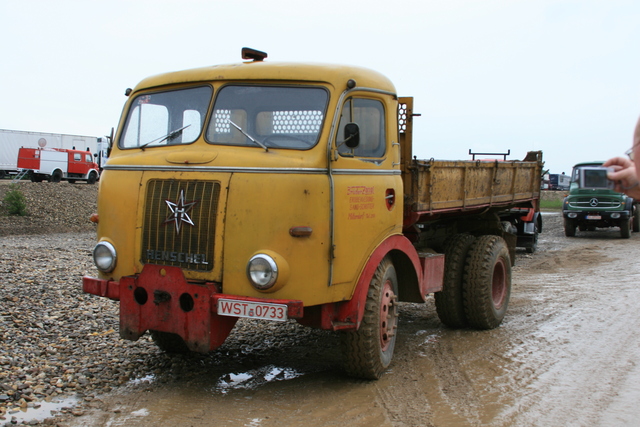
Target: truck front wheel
pixel 169 343
pixel 625 228
pixel 369 350
pixel 487 284
pixel 570 227
pixel 449 302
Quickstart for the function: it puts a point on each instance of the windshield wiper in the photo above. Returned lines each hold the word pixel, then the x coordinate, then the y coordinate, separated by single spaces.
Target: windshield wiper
pixel 170 135
pixel 249 136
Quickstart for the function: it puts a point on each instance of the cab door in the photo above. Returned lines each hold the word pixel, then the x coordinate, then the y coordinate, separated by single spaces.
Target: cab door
pixel 366 182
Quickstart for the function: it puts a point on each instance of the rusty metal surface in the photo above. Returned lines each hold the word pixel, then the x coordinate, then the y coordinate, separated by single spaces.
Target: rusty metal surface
pixel 437 186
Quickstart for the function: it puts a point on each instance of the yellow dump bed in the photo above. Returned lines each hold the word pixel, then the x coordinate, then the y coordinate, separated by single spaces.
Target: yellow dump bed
pixel 437 187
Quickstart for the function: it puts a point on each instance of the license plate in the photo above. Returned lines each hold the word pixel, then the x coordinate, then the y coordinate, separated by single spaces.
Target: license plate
pixel 594 217
pixel 252 310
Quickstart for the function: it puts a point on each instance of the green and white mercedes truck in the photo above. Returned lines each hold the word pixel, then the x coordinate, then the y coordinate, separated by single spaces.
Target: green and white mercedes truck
pixel 592 203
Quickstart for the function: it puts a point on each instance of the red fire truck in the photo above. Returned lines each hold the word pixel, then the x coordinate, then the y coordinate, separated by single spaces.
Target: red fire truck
pixel 57 164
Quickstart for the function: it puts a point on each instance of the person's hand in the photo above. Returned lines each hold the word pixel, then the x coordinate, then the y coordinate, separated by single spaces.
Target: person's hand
pixel 624 176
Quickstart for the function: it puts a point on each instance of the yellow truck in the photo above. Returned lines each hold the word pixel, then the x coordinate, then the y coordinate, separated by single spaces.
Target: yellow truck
pixel 283 191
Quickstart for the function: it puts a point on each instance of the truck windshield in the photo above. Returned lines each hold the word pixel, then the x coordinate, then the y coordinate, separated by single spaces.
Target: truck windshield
pixel 268 116
pixel 166 118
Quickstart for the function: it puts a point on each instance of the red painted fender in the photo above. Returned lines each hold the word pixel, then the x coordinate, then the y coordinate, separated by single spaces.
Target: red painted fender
pixel 351 312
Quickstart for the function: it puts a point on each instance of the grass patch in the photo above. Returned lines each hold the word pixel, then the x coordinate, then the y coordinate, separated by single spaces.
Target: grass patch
pixel 15 202
pixel 551 205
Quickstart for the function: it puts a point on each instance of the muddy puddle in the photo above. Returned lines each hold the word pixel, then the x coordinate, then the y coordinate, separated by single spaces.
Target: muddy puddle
pixel 568 353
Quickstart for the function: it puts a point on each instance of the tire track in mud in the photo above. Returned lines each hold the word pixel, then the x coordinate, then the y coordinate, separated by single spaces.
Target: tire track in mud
pixel 570 358
pixel 404 402
pixel 567 353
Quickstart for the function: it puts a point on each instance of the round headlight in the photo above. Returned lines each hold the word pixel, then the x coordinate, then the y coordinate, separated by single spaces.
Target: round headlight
pixel 104 257
pixel 262 271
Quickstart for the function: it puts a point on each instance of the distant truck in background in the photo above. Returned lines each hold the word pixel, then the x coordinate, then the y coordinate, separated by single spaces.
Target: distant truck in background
pixel 12 140
pixel 58 164
pixel 592 203
pixel 559 182
pixel 544 185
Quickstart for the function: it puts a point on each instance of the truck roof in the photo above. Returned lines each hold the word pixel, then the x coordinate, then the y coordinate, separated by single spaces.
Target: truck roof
pixel 594 163
pixel 336 75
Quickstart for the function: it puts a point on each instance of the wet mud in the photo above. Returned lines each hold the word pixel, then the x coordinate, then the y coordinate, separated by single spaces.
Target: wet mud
pixel 568 353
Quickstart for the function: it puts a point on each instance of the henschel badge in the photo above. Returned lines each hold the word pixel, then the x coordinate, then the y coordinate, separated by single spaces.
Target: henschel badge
pixel 180 212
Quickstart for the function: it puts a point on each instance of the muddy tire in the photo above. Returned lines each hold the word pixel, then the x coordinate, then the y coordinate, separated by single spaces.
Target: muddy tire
pixel 449 301
pixel 368 351
pixel 569 227
pixel 636 219
pixel 169 343
pixel 487 282
pixel 625 228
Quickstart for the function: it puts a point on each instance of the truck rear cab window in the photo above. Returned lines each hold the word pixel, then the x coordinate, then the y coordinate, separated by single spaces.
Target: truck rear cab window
pixel 275 116
pixel 368 114
pixel 166 118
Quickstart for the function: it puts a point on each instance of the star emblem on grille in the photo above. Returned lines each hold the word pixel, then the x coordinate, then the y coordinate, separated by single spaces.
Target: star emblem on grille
pixel 593 202
pixel 180 212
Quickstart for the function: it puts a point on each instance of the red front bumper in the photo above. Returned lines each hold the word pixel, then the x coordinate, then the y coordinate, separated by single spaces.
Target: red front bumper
pixel 161 299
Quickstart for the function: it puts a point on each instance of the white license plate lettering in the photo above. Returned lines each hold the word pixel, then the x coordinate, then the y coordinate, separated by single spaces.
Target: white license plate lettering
pixel 252 310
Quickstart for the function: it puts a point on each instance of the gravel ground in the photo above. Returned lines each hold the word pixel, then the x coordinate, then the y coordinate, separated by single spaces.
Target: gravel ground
pixel 57 342
pixel 51 208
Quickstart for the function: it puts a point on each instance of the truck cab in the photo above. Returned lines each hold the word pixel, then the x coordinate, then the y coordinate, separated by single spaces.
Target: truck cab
pixel 592 203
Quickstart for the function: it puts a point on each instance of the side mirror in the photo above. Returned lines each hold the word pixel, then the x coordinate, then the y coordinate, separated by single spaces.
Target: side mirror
pixel 351 135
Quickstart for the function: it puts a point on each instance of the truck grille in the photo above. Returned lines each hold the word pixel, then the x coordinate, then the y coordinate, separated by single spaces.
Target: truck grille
pixel 594 202
pixel 180 223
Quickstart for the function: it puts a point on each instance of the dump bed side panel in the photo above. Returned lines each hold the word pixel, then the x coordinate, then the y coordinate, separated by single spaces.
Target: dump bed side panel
pixel 438 186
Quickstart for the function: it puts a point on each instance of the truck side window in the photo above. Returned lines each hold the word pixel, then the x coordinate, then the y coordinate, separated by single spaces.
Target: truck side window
pixel 368 114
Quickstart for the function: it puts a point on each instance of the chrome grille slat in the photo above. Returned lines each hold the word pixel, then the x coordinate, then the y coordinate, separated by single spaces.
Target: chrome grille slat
pixel 192 247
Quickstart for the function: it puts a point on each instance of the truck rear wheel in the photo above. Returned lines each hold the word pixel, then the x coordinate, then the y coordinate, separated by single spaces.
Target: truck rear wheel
pixel 536 231
pixel 487 282
pixel 56 176
pixel 570 227
pixel 636 219
pixel 449 301
pixel 369 350
pixel 168 342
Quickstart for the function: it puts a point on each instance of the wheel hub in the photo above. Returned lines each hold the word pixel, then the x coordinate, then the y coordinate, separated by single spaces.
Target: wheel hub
pixel 498 284
pixel 388 315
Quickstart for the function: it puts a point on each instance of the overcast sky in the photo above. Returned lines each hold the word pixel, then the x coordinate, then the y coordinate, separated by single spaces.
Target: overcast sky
pixel 487 75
